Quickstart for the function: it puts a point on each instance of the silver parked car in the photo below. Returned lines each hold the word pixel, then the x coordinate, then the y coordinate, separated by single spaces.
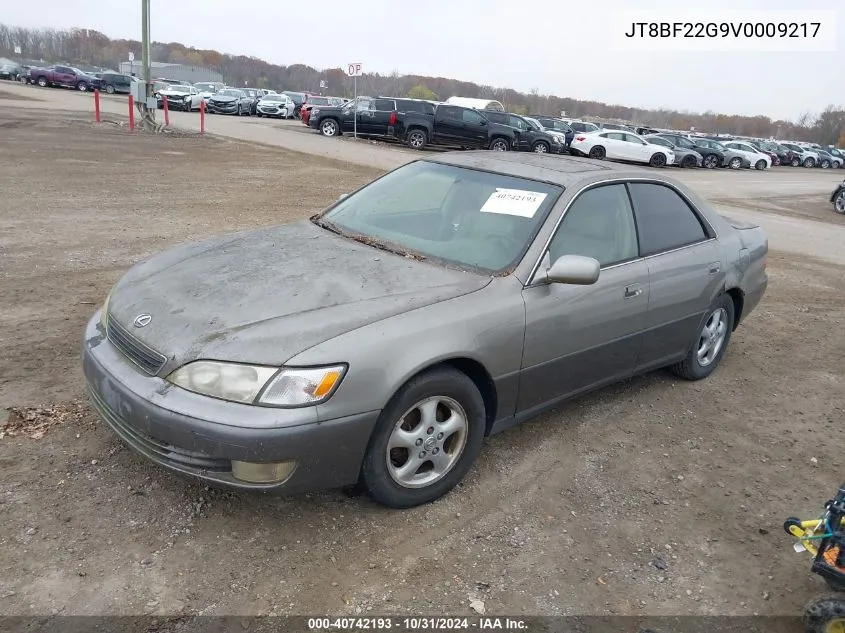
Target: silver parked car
pixel 380 341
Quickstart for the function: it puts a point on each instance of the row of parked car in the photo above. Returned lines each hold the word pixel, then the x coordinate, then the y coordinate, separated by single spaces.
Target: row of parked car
pixel 419 124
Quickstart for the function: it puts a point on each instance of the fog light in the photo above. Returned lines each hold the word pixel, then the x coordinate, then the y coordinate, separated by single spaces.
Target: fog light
pixel 271 473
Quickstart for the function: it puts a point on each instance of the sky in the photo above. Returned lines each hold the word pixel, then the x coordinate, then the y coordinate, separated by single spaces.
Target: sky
pixel 562 47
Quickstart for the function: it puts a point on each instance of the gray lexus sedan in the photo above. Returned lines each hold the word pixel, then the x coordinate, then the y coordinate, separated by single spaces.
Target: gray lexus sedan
pixel 381 340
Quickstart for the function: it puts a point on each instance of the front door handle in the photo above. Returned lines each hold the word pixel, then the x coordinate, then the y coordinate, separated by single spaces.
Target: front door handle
pixel 633 291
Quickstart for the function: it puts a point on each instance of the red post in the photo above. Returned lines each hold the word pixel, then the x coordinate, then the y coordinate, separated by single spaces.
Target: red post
pixel 97 106
pixel 166 111
pixel 202 116
pixel 131 113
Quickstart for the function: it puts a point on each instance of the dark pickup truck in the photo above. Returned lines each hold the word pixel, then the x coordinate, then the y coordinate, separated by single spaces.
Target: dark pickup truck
pixel 62 76
pixel 456 126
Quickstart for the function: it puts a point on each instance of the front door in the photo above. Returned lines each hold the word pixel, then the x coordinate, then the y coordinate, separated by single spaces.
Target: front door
pixel 685 266
pixel 578 337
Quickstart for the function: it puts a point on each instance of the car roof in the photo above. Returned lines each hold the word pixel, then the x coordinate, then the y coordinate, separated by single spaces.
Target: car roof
pixel 558 170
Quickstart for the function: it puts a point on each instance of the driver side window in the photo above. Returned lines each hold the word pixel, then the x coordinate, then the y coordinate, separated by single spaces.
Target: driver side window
pixel 598 224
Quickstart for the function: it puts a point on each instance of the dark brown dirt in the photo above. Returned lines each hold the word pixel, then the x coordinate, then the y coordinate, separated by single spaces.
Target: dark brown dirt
pixel 652 497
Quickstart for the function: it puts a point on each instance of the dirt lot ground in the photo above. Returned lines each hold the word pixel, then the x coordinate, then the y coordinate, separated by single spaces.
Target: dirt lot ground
pixel 652 497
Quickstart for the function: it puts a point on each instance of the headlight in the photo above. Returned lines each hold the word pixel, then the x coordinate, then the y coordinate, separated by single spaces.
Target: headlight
pixel 249 384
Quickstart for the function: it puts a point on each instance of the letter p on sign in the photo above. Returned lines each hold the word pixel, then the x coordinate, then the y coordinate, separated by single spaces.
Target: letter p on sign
pixel 354 70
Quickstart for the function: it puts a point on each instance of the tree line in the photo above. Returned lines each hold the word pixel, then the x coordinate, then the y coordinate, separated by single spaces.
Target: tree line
pixel 89 47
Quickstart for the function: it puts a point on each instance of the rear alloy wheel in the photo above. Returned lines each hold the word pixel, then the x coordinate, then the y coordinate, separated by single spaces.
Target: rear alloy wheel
pixel 500 145
pixel 82 86
pixel 417 139
pixel 426 439
pixel 839 202
pixel 809 162
pixel 689 161
pixel 329 127
pixel 711 161
pixel 42 81
pixel 761 164
pixel 541 147
pixel 735 162
pixel 710 343
pixel 825 164
pixel 658 160
pixel 110 89
pixel 597 152
pixel 796 162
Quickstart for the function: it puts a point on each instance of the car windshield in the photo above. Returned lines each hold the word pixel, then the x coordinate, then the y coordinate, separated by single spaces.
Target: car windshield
pixel 273 97
pixel 472 219
pixel 230 93
pixel 534 123
pixel 204 87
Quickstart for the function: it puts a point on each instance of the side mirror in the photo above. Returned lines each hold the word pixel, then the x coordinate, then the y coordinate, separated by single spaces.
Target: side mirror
pixel 573 269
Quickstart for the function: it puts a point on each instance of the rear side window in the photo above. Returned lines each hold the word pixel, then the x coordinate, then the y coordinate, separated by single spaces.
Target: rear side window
pixel 664 219
pixel 385 105
pixel 471 116
pixel 449 112
pixel 415 106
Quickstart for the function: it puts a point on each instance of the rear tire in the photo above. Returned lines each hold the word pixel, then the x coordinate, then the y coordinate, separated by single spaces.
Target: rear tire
pixel 42 81
pixel 809 162
pixel 825 164
pixel 417 139
pixel 82 86
pixel 657 160
pixel 735 162
pixel 459 399
pixel 796 162
pixel 839 203
pixel 110 89
pixel 689 161
pixel 597 152
pixel 329 127
pixel 500 145
pixel 824 615
pixel 710 342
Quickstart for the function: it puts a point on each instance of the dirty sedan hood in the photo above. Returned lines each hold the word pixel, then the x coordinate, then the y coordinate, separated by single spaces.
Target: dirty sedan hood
pixel 264 296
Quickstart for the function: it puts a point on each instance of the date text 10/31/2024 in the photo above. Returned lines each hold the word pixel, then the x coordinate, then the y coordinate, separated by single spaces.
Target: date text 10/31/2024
pixel 417 624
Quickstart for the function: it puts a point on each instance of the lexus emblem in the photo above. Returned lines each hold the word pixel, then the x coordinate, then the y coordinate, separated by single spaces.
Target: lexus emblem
pixel 142 320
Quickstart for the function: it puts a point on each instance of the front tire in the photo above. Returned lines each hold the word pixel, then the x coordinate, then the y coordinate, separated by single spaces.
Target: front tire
pixel 710 342
pixel 760 165
pixel 825 164
pixel 711 161
pixel 541 147
pixel 839 203
pixel 82 86
pixel 110 89
pixel 597 152
pixel 809 162
pixel 42 81
pixel 426 439
pixel 688 161
pixel 735 162
pixel 658 160
pixel 796 162
pixel 500 145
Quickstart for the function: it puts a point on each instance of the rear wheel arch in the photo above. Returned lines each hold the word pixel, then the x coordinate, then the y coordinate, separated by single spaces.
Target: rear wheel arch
pixel 738 298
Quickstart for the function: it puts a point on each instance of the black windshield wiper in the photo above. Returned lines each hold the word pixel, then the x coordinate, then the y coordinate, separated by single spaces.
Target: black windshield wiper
pixel 365 239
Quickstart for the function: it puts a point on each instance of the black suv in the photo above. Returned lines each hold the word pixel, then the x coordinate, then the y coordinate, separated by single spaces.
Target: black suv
pixel 116 83
pixel 530 138
pixel 374 116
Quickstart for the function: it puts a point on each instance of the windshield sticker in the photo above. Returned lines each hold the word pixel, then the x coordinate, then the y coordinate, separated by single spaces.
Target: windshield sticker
pixel 514 202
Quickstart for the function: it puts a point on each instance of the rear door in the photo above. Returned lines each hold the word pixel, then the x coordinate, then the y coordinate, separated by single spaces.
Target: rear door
pixel 365 114
pixel 476 129
pixel 615 145
pixel 685 269
pixel 64 76
pixel 383 110
pixel 448 124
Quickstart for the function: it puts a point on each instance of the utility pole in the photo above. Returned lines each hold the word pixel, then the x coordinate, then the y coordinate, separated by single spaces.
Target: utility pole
pixel 147 114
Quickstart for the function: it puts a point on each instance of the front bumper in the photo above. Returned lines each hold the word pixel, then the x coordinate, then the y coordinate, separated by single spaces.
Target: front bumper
pixel 199 436
pixel 272 111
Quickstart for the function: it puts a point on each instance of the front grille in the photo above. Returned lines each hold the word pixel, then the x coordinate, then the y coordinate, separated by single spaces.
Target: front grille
pixel 146 358
pixel 154 448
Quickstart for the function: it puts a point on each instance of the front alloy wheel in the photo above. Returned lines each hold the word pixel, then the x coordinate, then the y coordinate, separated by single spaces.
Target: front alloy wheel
pixel 426 439
pixel 735 163
pixel 711 161
pixel 329 127
pixel 499 145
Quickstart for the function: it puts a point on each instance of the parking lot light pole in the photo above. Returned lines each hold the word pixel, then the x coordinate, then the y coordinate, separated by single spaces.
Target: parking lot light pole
pixel 147 114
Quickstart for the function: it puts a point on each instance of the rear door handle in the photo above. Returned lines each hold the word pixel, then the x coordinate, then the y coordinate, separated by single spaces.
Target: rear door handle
pixel 715 267
pixel 633 291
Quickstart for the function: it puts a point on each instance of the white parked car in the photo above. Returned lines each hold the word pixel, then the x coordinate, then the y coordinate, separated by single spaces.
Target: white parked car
pixel 581 126
pixel 208 88
pixel 275 105
pixel 182 97
pixel 758 159
pixel 621 146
